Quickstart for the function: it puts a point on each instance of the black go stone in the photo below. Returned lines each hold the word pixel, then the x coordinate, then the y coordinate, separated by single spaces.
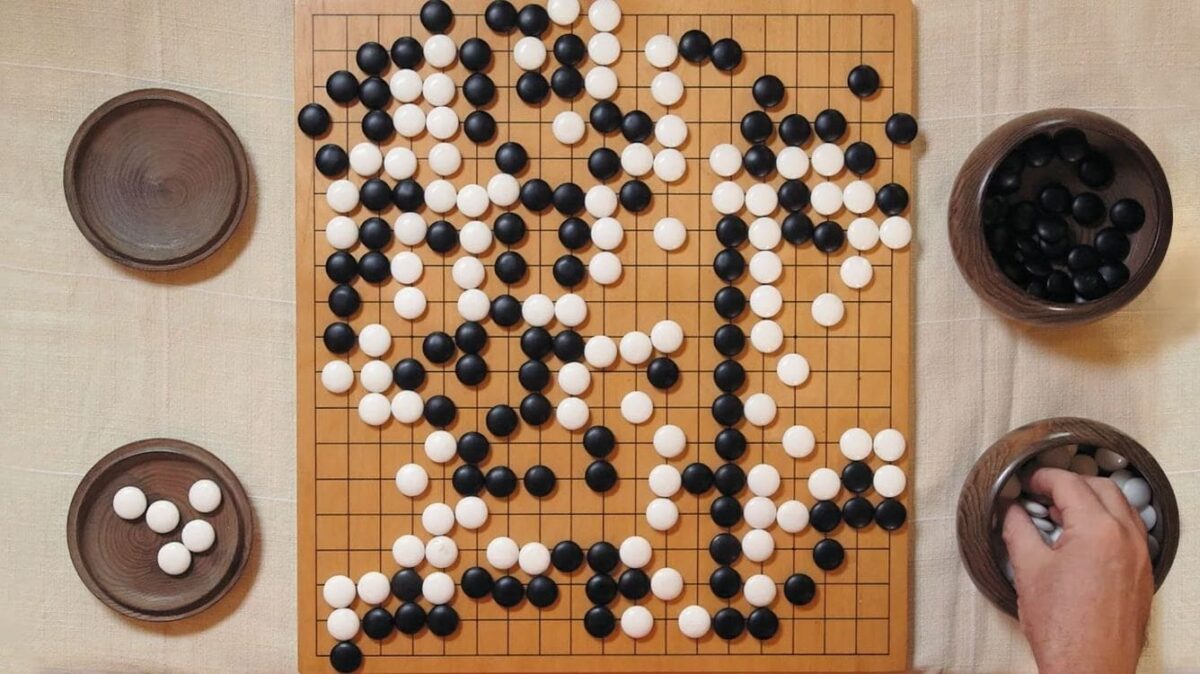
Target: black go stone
pixel 634 584
pixel 603 163
pixel 635 196
pixel 892 199
pixel 1096 171
pixel 1087 208
pixel 860 158
pixel 436 16
pixel 901 128
pixel 1127 215
pixel 697 478
pixel 409 374
pixel 406 584
pixel 506 310
pixel 331 160
pixel 601 589
pixel 479 89
pixel 476 582
pixel 1036 288
pixel 759 161
pixel 568 346
pixel 374 267
pixel 509 228
pixel 500 481
pixel 375 93
pixel 440 411
pixel 729 375
pixel 727 409
pixel 536 343
pixel 375 194
pixel 1037 150
pixel 1115 274
pixel 542 591
pixel 1112 243
pixel 536 195
pixel 532 88
pixel 442 620
pixel 1089 285
pixel 828 237
pixel 471 369
pixel 602 557
pixel 569 49
pixel 890 514
pixel 732 231
pixel 500 16
pixel 599 441
pixel 568 198
pixel 1004 182
pixel 729 340
pixel 313 120
pixel 729 479
pixel 375 233
pixel 533 375
pixel 566 556
pixel 470 337
pixel 863 80
pixel 407 53
pixel 799 589
pixel 695 46
pixel 480 127
pixel 794 129
pixel 438 347
pixel 510 267
pixel 729 265
pixel 1054 198
pixel 730 444
pixel 539 480
pixel 636 126
pixel 377 126
pixel 797 229
pixel 828 554
pixel 725 582
pixel 574 233
pixel 794 195
pixel 501 420
pixel 762 623
pixel 1071 145
pixel 511 157
pixel 533 20
pixel 441 236
pixel 726 54
pixel 344 300
pixel 409 618
pixel 728 623
pixel 858 512
pixel 662 372
pixel 1051 227
pixel 408 195
pixel 475 54
pixel 377 623
pixel 825 516
pixel 535 409
pixel 345 656
pixel 599 621
pixel 1059 287
pixel 724 548
pixel 725 511
pixel 341 267
pixel 341 86
pixel 566 82
pixel 768 91
pixel 1083 258
pixel 994 210
pixel 467 480
pixel 756 126
pixel 857 476
pixel 605 117
pixel 473 446
pixel 508 591
pixel 830 125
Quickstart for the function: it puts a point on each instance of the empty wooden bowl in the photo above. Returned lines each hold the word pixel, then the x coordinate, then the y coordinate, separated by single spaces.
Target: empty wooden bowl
pixel 118 559
pixel 981 510
pixel 1137 175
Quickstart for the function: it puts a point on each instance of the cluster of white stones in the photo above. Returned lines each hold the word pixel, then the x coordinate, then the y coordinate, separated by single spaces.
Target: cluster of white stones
pixel 162 517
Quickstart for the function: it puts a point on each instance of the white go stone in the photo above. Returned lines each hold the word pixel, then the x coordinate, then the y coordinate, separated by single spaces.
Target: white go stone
pixel 574 378
pixel 410 303
pixel 408 551
pixel 374 588
pixel 666 336
pixel 410 229
pixel 792 162
pixel 607 233
pixel 572 413
pixel 666 88
pixel 856 272
pixel 341 232
pixel 529 53
pixel 375 376
pixel 855 444
pixel 442 123
pixel 337 377
pixel 374 340
pixel 130 502
pixel 600 83
pixel 895 232
pixel 475 237
pixel 666 583
pixel 366 159
pixel 799 441
pixel 828 310
pixel 761 199
pixel 664 480
pixel 502 553
pixel 1149 517
pixel 766 301
pixel 440 196
pixel 472 200
pixel 438 89
pixel 441 551
pixel 338 591
pixel 792 516
pixel 174 558
pixel 438 588
pixel 858 196
pixel 1109 460
pixel 473 305
pixel 670 130
pixel 826 198
pixel 204 496
pixel 792 369
pixel 570 310
pixel 563 12
pixel 604 49
pixel 600 201
pixel 604 15
pixel 759 512
pixel 568 127
pixel 533 558
pixel 537 310
pixel 374 409
pixel 828 159
pixel 725 160
pixel 471 512
pixel 407 407
pixel 407 266
pixel 759 590
pixel 669 441
pixel 635 552
pixel 889 481
pixel 758 545
pixel 759 409
pixel 605 268
pixel 409 120
pixel 636 621
pixel 763 480
pixel 342 196
pixel 445 159
pixel 600 351
pixel 636 347
pixel 764 233
pixel 1137 492
pixel 342 624
pixel 694 621
pixel 765 266
pixel 503 190
pixel 661 51
pixel 467 272
pixel 670 234
pixel 669 165
pixel 824 484
pixel 637 159
pixel 405 85
pixel 437 518
pixel 766 336
pixel 862 234
pixel 662 514
pixel 636 407
pixel 440 51
pixel 412 480
pixel 889 444
pixel 400 163
pixel 440 446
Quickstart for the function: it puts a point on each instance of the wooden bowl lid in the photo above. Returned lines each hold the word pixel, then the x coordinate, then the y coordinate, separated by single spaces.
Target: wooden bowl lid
pixel 156 179
pixel 118 560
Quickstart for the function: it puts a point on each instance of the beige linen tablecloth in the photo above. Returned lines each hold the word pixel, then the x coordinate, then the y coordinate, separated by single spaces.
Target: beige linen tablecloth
pixel 93 355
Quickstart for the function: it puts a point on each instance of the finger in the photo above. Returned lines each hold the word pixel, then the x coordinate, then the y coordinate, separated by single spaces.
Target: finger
pixel 1055 515
pixel 1075 500
pixel 1114 501
pixel 1021 537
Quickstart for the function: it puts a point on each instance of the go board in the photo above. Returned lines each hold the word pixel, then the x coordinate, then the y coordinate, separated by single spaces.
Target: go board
pixel 851 617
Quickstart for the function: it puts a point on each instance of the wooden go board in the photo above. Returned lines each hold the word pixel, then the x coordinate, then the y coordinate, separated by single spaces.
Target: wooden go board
pixel 350 510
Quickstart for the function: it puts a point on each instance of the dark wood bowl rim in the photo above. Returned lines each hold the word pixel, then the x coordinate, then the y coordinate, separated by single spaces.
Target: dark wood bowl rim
pixel 234 493
pixel 969 245
pixel 116 106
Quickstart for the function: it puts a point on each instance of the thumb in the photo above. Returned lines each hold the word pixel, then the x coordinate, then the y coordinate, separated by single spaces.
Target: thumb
pixel 1021 537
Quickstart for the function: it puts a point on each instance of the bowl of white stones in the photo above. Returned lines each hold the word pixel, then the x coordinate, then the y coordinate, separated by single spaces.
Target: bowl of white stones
pixel 1080 445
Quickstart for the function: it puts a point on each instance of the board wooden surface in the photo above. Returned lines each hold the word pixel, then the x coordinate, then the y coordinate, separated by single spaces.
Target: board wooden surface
pixel 349 510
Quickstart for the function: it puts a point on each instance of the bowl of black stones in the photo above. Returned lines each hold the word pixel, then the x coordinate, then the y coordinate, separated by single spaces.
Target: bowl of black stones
pixel 1001 476
pixel 1060 216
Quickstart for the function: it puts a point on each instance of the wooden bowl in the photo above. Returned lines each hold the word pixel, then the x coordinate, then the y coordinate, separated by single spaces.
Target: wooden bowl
pixel 1138 175
pixel 981 512
pixel 156 179
pixel 118 560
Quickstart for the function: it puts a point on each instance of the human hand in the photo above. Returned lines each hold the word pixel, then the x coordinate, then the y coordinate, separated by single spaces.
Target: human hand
pixel 1083 602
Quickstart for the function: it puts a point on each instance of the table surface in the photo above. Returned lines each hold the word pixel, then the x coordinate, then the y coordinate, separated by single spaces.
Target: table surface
pixel 94 355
